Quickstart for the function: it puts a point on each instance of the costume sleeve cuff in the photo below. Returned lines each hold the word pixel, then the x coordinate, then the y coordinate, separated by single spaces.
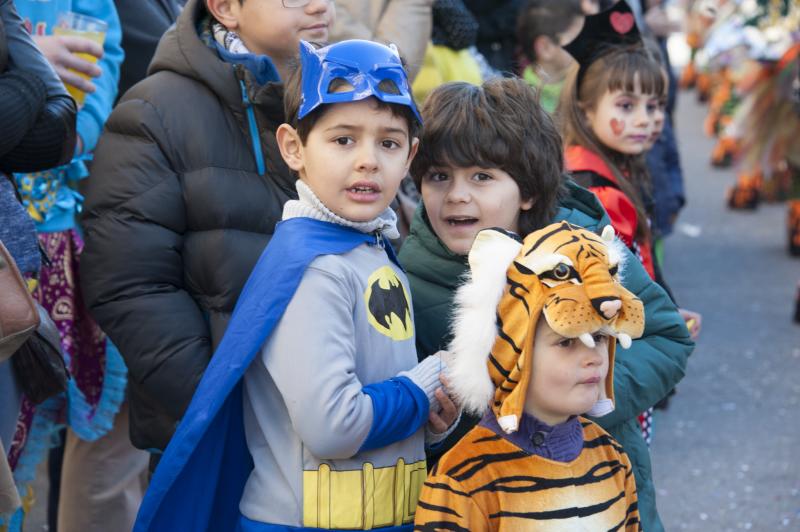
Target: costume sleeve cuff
pixel 426 376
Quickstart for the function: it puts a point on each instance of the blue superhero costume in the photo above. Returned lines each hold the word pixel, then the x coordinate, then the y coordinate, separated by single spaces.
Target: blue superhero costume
pixel 199 482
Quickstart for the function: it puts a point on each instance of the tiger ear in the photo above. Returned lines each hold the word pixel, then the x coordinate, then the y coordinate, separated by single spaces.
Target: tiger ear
pixel 474 325
pixel 607 234
pixel 493 248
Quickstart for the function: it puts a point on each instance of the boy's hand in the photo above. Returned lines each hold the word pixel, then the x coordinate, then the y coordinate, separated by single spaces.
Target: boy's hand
pixel 694 322
pixel 440 421
pixel 60 51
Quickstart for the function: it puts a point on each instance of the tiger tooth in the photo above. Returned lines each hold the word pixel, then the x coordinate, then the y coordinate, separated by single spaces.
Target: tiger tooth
pixel 587 340
pixel 624 340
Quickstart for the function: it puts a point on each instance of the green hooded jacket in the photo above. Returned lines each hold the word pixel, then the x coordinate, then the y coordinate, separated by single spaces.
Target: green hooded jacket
pixel 643 374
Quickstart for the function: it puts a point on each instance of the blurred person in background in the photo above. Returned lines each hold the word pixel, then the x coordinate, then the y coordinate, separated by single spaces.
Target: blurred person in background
pixel 404 23
pixel 448 56
pixel 543 27
pixel 497 20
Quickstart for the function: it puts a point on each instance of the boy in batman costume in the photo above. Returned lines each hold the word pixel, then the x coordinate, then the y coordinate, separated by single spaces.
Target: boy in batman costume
pixel 311 413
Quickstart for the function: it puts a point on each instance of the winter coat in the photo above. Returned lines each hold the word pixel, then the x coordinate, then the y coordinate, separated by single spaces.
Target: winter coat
pixel 643 374
pixel 591 171
pixel 186 188
pixel 406 23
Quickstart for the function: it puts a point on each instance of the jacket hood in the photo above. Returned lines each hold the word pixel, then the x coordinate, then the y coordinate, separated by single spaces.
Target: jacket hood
pixel 581 207
pixel 182 51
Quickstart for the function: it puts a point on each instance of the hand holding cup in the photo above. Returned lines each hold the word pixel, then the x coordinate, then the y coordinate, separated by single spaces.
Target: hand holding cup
pixel 60 51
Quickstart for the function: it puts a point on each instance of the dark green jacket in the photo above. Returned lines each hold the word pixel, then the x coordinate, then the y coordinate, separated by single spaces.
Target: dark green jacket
pixel 643 374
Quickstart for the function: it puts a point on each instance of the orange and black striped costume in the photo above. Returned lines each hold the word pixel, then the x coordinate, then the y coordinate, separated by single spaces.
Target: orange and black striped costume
pixel 500 477
pixel 487 483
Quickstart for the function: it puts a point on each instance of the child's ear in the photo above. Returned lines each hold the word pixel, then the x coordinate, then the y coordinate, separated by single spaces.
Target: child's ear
pixel 290 146
pixel 412 152
pixel 225 11
pixel 542 48
pixel 588 115
pixel 527 204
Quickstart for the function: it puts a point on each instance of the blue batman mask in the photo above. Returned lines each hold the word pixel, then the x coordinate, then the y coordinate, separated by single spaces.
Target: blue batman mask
pixel 363 65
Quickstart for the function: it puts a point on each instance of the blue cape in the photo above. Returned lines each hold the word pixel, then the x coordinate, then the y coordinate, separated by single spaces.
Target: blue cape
pixel 200 479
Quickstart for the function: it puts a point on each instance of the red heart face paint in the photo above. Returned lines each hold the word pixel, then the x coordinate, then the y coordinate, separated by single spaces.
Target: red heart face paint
pixel 617 126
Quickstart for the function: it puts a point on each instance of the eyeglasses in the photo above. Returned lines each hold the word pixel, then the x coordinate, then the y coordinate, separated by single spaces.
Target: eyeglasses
pixel 298 3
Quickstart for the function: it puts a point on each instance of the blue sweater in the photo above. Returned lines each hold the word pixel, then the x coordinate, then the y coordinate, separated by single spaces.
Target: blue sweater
pixel 41 17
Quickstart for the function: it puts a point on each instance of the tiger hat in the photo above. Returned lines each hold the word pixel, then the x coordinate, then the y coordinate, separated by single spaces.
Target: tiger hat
pixel 564 272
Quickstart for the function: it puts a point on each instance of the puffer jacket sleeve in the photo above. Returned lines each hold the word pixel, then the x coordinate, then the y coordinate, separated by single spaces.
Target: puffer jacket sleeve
pixel 132 269
pixel 406 23
pixel 655 363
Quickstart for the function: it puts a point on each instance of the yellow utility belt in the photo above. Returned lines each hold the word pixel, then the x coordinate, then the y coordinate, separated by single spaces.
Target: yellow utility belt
pixel 366 499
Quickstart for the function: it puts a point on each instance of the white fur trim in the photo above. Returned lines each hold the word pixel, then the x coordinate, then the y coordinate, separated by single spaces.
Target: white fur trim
pixel 601 408
pixel 508 423
pixel 616 255
pixel 474 325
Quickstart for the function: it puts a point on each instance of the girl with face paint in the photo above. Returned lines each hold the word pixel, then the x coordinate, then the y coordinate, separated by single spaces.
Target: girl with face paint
pixel 609 111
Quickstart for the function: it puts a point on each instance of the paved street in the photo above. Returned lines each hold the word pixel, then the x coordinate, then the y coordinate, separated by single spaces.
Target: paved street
pixel 725 453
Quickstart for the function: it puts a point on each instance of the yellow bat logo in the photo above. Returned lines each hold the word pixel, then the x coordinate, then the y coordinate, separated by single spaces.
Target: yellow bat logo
pixel 388 308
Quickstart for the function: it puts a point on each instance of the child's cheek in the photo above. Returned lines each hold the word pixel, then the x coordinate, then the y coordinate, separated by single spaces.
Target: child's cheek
pixel 617 126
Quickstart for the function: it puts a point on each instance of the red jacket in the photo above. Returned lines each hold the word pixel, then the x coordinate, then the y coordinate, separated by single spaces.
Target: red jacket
pixel 620 208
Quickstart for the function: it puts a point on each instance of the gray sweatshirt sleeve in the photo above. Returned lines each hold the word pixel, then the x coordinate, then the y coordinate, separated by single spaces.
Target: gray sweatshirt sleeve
pixel 311 357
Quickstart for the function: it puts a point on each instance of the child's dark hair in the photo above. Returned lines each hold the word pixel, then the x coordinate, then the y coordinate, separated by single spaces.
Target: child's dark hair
pixel 497 125
pixel 547 18
pixel 619 69
pixel 293 95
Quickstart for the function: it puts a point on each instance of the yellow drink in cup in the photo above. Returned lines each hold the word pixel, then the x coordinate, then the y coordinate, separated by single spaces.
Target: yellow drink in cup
pixel 76 25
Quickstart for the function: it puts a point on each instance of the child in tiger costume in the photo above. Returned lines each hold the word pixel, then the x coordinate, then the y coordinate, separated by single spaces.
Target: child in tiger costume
pixel 534 338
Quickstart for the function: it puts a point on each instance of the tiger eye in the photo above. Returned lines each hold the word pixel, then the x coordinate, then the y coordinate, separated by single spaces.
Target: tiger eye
pixel 561 271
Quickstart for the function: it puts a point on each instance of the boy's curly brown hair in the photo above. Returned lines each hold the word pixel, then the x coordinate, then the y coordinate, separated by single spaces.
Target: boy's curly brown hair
pixel 499 124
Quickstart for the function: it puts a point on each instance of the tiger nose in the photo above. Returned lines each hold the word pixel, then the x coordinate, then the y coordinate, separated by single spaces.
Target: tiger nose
pixel 607 307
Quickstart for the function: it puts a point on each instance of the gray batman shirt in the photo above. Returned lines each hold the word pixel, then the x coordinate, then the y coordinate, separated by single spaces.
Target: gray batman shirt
pixel 349 324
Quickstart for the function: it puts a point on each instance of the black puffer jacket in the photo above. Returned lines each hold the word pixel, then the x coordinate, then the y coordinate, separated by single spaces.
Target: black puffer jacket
pixel 176 216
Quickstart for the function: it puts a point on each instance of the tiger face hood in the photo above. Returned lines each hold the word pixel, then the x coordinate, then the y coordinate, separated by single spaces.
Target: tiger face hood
pixel 565 273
